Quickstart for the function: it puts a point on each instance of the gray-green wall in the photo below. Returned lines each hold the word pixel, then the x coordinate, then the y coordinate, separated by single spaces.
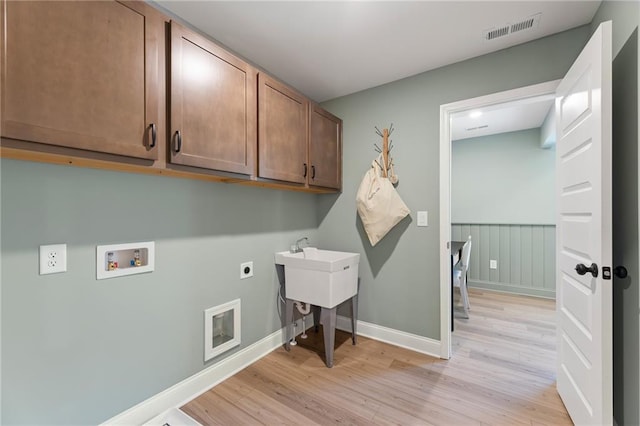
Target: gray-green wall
pixel 399 285
pixel 79 351
pixel 503 194
pixel 503 179
pixel 626 297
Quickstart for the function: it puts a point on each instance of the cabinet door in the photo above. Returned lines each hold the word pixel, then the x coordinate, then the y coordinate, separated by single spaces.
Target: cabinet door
pixel 213 105
pixel 325 149
pixel 82 75
pixel 283 133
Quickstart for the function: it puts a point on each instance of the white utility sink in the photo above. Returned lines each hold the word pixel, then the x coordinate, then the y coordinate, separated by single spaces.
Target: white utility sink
pixel 320 277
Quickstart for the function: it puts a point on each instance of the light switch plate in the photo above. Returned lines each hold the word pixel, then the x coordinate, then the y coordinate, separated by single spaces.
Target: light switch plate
pixel 423 218
pixel 493 264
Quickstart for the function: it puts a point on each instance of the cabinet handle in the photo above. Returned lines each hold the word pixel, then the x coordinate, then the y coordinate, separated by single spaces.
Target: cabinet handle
pixel 313 172
pixel 178 141
pixel 305 169
pixel 154 135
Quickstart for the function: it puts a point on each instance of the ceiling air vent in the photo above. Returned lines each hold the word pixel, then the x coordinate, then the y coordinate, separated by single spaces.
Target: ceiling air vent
pixel 508 29
pixel 491 34
pixel 524 25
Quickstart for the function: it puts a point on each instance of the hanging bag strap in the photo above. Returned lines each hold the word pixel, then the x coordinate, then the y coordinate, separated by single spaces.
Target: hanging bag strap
pixel 375 165
pixel 392 174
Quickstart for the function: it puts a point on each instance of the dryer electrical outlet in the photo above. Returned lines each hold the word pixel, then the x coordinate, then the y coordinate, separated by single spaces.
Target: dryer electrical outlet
pixel 246 270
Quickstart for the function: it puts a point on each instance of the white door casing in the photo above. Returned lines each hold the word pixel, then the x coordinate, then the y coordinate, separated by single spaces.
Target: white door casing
pixel 519 96
pixel 583 188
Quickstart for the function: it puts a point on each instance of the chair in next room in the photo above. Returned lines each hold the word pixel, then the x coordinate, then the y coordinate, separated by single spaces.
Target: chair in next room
pixel 460 275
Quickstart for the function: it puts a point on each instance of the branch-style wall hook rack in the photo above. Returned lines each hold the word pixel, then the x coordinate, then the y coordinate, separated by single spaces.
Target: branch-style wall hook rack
pixel 387 160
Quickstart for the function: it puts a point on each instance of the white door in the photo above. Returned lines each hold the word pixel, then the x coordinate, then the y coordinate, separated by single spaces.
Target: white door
pixel 584 302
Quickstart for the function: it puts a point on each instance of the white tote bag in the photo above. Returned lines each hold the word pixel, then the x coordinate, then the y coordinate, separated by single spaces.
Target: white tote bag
pixel 379 205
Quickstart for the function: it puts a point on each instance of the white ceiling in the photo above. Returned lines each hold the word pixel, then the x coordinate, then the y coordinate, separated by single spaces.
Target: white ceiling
pixel 330 49
pixel 502 118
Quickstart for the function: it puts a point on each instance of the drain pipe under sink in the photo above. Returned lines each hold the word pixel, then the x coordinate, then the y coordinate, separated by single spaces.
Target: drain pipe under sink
pixel 304 311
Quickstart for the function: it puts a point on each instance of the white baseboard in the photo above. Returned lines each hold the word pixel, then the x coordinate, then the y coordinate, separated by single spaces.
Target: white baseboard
pixel 191 387
pixel 512 289
pixel 173 416
pixel 394 337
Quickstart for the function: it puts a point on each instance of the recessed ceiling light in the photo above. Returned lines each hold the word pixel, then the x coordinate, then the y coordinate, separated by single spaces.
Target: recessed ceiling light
pixel 475 114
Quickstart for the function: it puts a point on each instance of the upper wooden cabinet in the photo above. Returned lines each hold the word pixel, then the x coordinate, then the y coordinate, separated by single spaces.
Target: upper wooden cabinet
pixel 298 141
pixel 213 105
pixel 283 124
pixel 325 148
pixel 82 80
pixel 82 75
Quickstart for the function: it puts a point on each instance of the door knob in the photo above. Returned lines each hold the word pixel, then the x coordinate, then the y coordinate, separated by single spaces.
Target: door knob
pixel 581 269
pixel 620 271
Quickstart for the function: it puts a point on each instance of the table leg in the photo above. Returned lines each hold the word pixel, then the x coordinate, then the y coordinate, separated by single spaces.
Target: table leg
pixel 451 281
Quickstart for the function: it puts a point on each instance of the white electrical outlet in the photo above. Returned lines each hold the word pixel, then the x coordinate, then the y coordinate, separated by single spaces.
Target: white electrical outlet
pixel 53 259
pixel 493 264
pixel 246 270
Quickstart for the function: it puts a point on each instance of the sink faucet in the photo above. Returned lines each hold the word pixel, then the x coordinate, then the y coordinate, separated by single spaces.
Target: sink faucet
pixel 296 248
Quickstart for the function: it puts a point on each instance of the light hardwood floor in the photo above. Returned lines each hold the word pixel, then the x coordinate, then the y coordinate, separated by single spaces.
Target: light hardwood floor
pixel 502 372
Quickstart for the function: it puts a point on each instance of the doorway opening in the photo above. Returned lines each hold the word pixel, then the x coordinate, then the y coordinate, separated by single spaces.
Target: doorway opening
pixel 506 205
pixel 493 102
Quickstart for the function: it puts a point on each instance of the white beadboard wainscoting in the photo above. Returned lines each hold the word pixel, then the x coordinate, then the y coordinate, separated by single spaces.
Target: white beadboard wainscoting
pixel 526 257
